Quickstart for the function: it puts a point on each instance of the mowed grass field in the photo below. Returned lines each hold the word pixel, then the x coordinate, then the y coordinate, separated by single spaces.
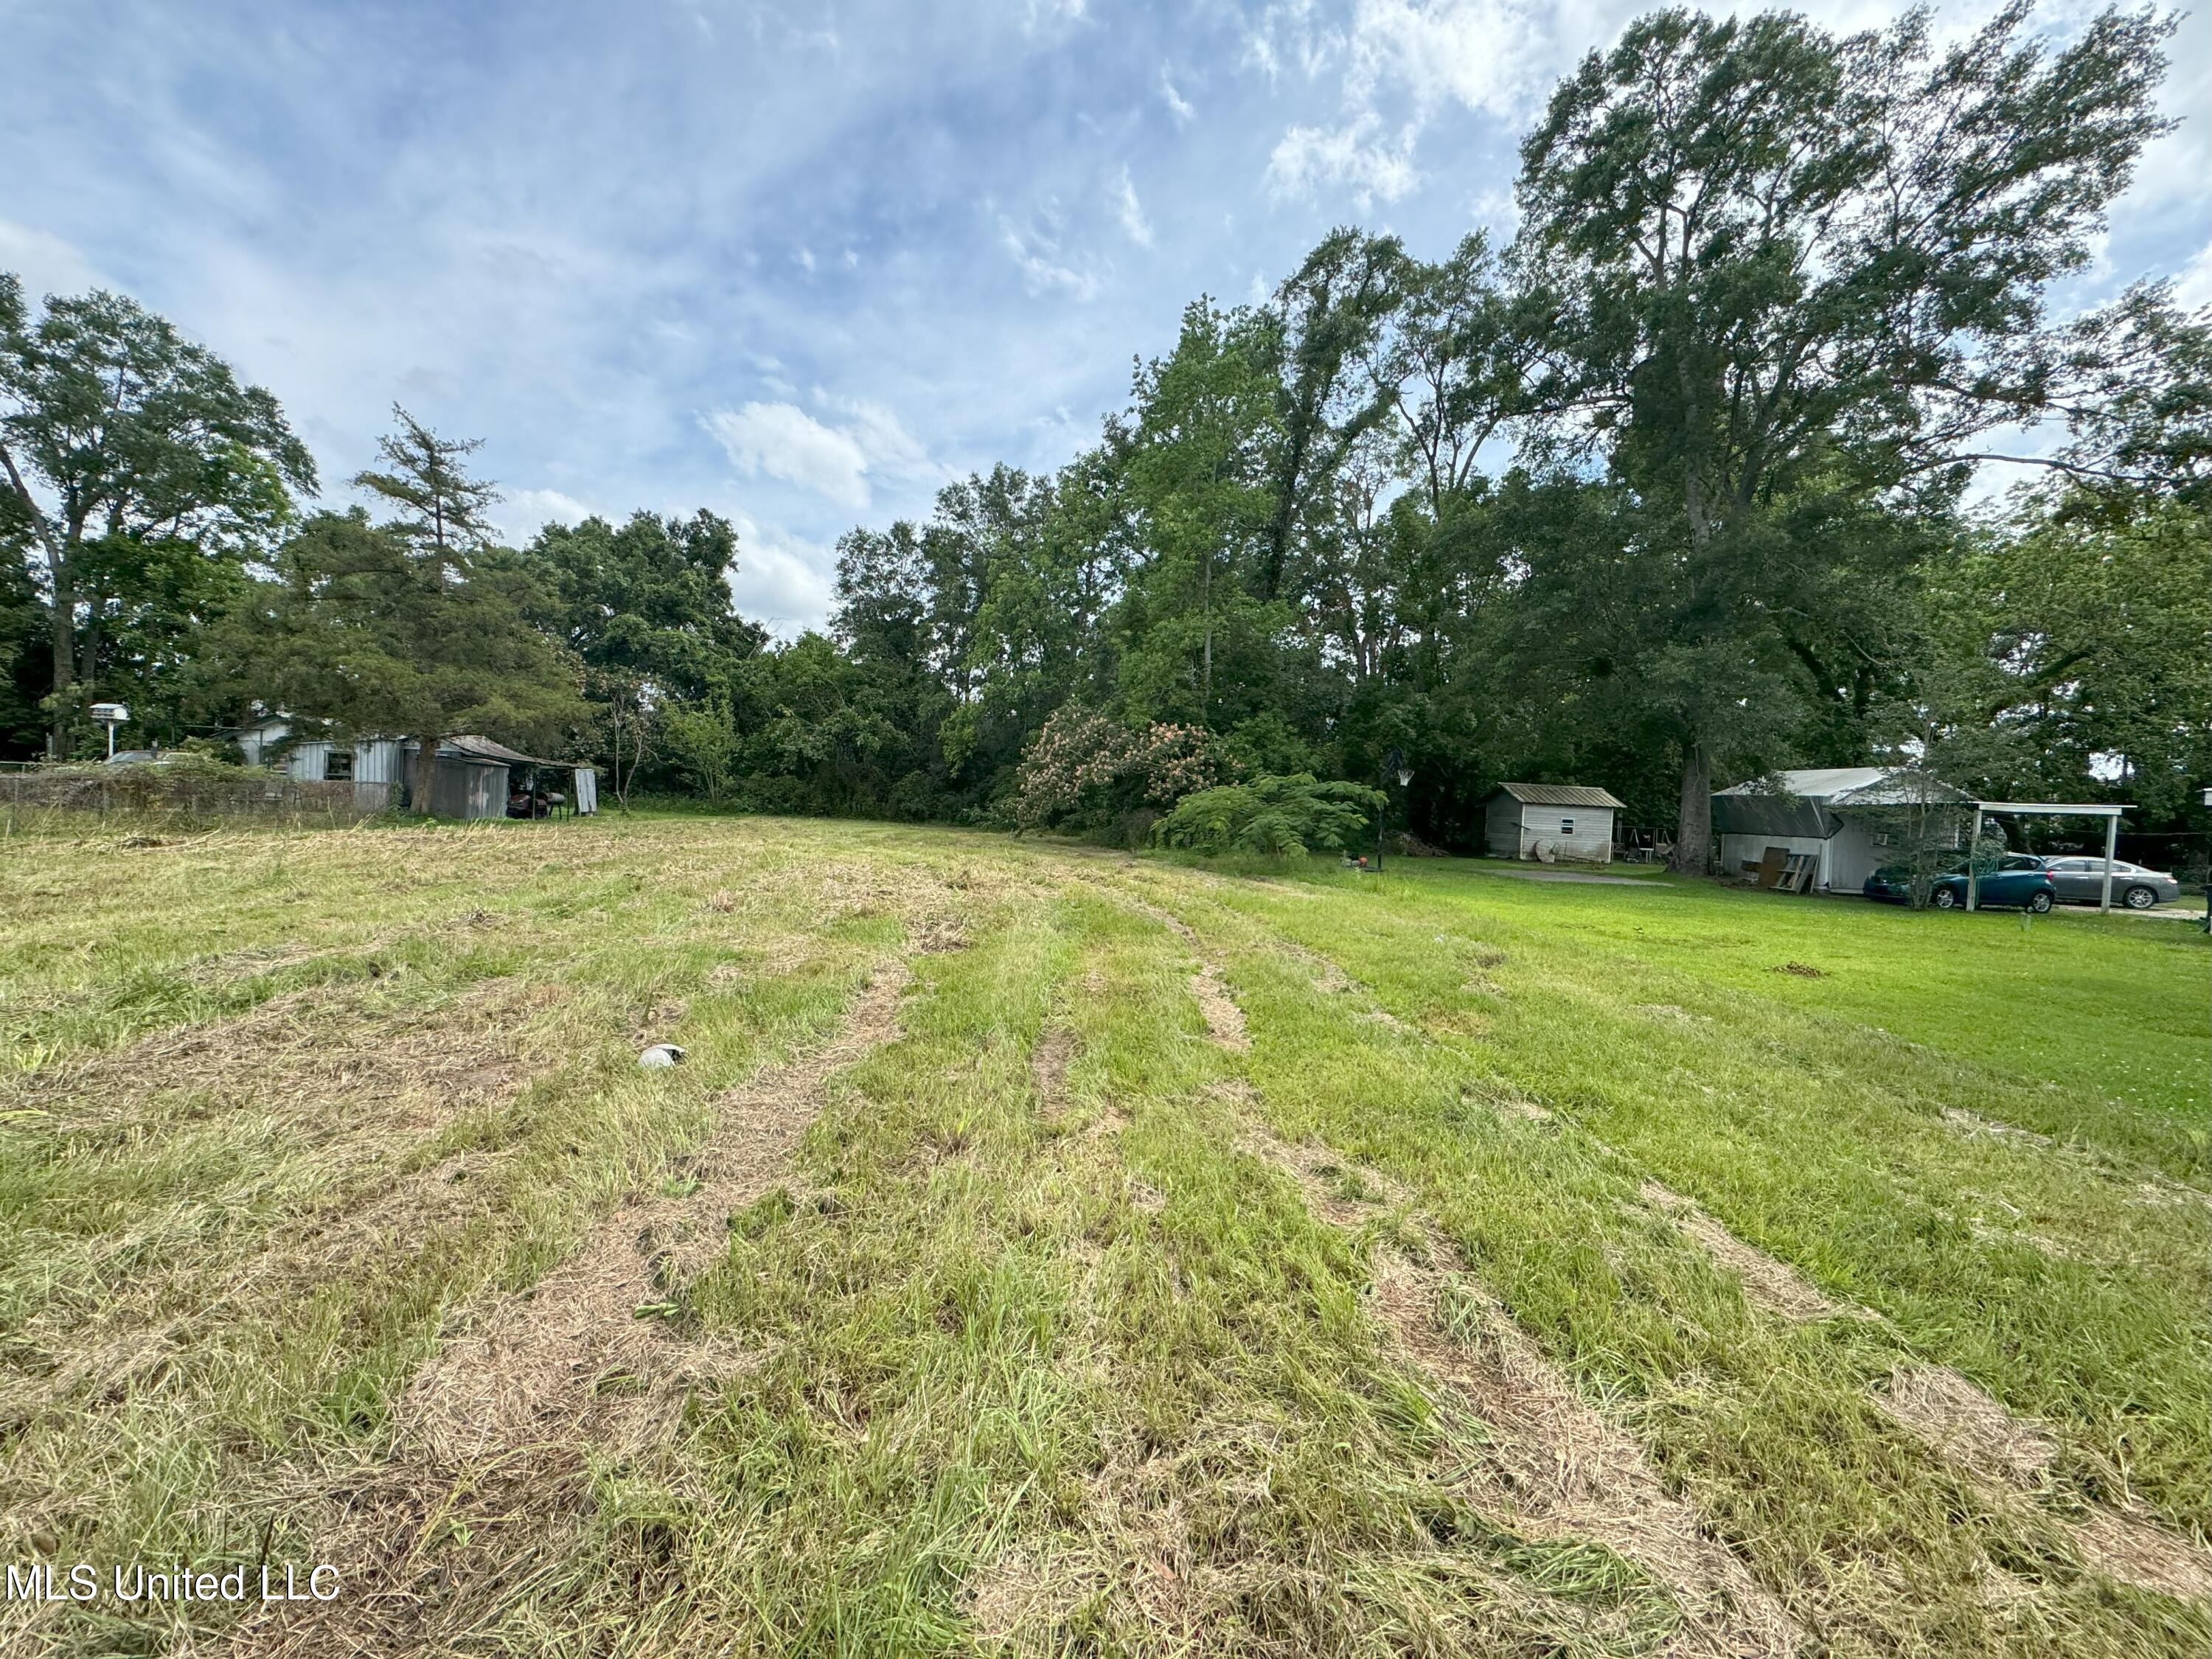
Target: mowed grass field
pixel 1045 1251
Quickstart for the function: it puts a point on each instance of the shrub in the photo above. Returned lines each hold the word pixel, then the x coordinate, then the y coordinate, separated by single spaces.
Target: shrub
pixel 1279 816
pixel 1086 771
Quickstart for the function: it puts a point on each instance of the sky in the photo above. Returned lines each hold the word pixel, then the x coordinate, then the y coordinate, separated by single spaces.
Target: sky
pixel 799 264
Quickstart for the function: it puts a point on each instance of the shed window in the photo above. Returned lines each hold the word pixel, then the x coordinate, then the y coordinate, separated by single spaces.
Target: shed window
pixel 337 768
pixel 1566 826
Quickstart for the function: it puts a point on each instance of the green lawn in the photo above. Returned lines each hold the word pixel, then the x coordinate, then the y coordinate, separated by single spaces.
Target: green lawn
pixel 1075 1318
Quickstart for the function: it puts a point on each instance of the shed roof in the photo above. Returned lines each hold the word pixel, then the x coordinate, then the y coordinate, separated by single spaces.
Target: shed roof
pixel 1559 794
pixel 1850 786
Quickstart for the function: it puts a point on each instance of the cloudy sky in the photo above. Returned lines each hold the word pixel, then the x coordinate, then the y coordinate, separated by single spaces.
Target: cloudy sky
pixel 798 263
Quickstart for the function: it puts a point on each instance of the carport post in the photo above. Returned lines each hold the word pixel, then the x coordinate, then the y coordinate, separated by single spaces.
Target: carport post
pixel 1973 886
pixel 2111 841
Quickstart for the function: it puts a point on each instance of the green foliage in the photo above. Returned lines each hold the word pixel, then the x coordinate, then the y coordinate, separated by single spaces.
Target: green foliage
pixel 139 474
pixel 1278 817
pixel 360 631
pixel 1778 269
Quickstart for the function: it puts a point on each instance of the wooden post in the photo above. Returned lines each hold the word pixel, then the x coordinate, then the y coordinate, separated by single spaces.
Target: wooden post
pixel 1973 842
pixel 2112 841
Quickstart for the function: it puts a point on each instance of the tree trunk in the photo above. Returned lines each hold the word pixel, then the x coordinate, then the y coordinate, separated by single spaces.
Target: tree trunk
pixel 64 637
pixel 1693 835
pixel 426 772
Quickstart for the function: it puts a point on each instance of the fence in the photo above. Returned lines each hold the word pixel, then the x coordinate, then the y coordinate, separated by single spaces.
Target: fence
pixel 48 797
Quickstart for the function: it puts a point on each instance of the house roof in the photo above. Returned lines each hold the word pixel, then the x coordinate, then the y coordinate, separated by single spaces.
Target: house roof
pixel 1850 786
pixel 1559 794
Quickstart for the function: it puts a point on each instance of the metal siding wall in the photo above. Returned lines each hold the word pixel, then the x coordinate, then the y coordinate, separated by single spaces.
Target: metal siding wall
pixel 376 760
pixel 1852 857
pixel 307 761
pixel 1501 827
pixel 587 790
pixel 487 791
pixel 1737 851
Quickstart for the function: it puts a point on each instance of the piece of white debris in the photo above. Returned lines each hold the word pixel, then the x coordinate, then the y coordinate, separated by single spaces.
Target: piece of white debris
pixel 661 1054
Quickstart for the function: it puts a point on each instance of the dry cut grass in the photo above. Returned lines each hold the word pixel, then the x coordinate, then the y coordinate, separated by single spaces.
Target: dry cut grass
pixel 1045 1252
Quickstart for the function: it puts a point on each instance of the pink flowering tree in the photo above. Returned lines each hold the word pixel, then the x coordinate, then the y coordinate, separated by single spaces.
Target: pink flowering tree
pixel 1086 770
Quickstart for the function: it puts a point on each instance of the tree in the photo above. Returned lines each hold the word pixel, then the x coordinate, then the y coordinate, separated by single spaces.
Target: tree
pixel 1199 479
pixel 439 508
pixel 2071 645
pixel 361 631
pixel 114 430
pixel 1780 262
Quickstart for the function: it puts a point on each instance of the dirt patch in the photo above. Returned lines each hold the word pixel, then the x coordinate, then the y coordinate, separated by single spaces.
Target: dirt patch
pixel 499 1426
pixel 1668 1013
pixel 1802 971
pixel 1049 1070
pixel 1773 1285
pixel 1523 1108
pixel 1224 1020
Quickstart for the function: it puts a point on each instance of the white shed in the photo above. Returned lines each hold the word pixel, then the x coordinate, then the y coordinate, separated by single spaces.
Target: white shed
pixel 1846 817
pixel 1558 820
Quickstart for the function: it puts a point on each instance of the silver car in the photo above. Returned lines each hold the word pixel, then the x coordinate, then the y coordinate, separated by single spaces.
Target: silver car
pixel 2079 880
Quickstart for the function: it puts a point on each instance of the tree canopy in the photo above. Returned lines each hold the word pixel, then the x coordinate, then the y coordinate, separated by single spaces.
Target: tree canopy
pixel 1667 491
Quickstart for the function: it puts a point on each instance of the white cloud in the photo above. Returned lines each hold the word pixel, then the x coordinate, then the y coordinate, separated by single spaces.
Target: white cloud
pixel 782 582
pixel 784 442
pixel 890 450
pixel 1476 51
pixel 523 512
pixel 1132 211
pixel 1353 154
pixel 1041 269
pixel 46 264
pixel 862 444
pixel 1286 31
pixel 1178 105
pixel 2193 288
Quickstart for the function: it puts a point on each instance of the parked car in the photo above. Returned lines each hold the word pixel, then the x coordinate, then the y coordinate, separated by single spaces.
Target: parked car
pixel 2080 879
pixel 2017 882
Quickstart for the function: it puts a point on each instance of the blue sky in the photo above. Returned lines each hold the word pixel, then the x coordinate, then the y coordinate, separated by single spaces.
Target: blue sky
pixel 799 264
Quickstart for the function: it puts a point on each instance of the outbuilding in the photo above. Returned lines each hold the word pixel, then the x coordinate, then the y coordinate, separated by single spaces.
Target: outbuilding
pixel 1549 821
pixel 1850 820
pixel 473 778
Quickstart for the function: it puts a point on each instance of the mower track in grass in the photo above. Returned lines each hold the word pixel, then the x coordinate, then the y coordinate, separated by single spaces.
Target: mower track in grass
pixel 1201 1263
pixel 599 1354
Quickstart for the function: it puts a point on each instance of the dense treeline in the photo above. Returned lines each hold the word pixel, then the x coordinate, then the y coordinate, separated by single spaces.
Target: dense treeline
pixel 1669 491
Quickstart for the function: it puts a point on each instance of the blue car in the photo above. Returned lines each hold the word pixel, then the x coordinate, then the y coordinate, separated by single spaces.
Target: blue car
pixel 2016 882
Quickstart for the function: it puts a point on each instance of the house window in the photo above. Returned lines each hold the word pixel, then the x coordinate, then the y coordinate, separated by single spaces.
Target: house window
pixel 1566 826
pixel 338 767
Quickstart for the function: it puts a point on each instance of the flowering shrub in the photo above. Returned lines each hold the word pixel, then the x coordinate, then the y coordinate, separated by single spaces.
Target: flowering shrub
pixel 1281 818
pixel 1084 769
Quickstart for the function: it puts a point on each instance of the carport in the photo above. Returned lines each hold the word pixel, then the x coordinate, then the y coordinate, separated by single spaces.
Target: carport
pixel 2049 808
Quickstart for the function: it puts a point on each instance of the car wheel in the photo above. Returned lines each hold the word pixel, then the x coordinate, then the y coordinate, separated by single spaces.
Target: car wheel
pixel 2140 898
pixel 2038 902
pixel 1944 898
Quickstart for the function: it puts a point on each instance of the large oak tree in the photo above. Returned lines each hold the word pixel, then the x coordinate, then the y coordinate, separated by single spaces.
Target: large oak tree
pixel 1782 262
